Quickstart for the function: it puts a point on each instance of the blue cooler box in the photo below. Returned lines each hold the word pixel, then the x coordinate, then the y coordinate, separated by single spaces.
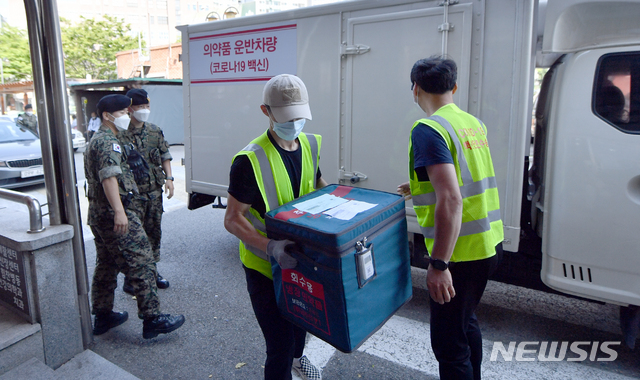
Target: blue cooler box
pixel 353 269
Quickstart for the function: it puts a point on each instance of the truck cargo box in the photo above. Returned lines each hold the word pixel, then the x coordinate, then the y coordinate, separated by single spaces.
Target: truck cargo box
pixel 353 269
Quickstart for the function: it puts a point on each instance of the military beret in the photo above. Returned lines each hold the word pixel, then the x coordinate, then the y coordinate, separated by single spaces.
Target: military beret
pixel 113 103
pixel 138 96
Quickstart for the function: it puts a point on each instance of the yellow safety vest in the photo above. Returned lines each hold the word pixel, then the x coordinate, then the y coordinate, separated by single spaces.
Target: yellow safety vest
pixel 275 187
pixel 481 228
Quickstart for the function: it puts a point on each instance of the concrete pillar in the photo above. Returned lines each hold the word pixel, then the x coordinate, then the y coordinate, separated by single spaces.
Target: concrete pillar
pixel 49 294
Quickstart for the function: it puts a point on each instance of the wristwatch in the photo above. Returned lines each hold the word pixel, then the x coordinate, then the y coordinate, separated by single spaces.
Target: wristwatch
pixel 170 178
pixel 438 264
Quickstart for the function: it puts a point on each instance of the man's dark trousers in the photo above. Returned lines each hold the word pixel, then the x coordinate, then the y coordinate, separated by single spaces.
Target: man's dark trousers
pixel 456 339
pixel 284 340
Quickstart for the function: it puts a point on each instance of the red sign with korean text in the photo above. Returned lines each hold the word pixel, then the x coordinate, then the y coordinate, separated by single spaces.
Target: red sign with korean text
pixel 243 55
pixel 305 299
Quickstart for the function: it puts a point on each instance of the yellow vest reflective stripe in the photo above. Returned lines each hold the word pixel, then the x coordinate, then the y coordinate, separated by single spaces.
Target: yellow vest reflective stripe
pixel 275 187
pixel 481 229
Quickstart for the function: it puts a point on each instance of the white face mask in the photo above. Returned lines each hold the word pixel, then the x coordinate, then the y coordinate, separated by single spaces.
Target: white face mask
pixel 416 99
pixel 29 113
pixel 141 115
pixel 122 122
pixel 289 130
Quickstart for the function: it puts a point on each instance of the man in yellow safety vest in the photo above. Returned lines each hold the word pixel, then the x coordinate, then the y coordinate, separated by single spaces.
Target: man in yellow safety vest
pixel 275 168
pixel 453 187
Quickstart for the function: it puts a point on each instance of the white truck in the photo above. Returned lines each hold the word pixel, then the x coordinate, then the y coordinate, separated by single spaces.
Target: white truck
pixel 570 195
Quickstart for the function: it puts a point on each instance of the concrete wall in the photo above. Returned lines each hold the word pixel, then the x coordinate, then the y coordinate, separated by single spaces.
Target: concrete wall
pixel 52 289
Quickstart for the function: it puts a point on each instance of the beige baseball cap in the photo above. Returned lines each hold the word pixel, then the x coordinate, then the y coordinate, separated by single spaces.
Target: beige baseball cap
pixel 287 97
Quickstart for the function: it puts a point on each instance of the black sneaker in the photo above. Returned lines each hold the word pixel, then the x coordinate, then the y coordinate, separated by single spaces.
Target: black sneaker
pixel 127 287
pixel 105 322
pixel 161 324
pixel 161 283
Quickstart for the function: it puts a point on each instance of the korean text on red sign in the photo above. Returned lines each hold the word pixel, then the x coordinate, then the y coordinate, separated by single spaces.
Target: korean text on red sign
pixel 242 55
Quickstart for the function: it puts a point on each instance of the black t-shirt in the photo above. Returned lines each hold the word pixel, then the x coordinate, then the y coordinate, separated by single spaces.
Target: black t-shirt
pixel 429 148
pixel 242 181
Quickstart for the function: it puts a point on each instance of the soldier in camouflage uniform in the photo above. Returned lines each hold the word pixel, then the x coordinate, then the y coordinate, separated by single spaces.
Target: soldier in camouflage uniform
pixel 28 119
pixel 121 242
pixel 148 139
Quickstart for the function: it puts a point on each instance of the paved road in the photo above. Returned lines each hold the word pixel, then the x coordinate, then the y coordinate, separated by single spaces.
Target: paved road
pixel 207 284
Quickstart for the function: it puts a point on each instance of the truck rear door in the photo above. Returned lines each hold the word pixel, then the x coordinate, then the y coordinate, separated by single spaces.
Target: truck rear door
pixel 376 106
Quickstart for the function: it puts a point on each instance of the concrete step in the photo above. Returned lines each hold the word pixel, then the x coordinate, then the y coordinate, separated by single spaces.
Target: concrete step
pixel 91 366
pixel 19 340
pixel 33 369
pixel 85 366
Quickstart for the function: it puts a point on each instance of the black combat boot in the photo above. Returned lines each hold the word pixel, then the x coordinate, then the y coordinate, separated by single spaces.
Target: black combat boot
pixel 161 283
pixel 161 324
pixel 107 321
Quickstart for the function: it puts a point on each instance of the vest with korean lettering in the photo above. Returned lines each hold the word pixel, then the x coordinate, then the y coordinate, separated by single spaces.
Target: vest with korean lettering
pixel 481 229
pixel 275 187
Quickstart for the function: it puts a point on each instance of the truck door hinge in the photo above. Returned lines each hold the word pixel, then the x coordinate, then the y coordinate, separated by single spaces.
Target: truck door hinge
pixel 446 27
pixel 353 49
pixel 353 177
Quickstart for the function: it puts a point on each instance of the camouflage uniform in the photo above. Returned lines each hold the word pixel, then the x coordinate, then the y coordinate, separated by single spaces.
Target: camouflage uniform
pixel 129 253
pixel 149 141
pixel 29 122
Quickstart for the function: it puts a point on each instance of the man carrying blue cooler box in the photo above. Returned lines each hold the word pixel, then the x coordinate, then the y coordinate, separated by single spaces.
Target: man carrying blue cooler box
pixel 275 168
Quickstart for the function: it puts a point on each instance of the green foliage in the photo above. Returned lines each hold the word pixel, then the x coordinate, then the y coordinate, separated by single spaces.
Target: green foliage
pixel 537 83
pixel 15 55
pixel 90 46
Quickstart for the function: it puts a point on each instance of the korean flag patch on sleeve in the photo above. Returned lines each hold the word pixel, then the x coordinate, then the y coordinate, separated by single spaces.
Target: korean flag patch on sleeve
pixel 117 148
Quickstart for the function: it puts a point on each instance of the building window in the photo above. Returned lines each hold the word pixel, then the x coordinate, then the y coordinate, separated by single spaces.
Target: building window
pixel 151 20
pixel 132 3
pixel 133 20
pixel 178 5
pixel 161 4
pixel 616 96
pixel 163 20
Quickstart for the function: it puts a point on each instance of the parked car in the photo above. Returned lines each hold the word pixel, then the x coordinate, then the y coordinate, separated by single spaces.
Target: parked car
pixel 20 157
pixel 13 115
pixel 78 140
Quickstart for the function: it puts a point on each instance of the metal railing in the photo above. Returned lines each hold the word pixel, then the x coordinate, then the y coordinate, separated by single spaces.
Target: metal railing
pixel 35 213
